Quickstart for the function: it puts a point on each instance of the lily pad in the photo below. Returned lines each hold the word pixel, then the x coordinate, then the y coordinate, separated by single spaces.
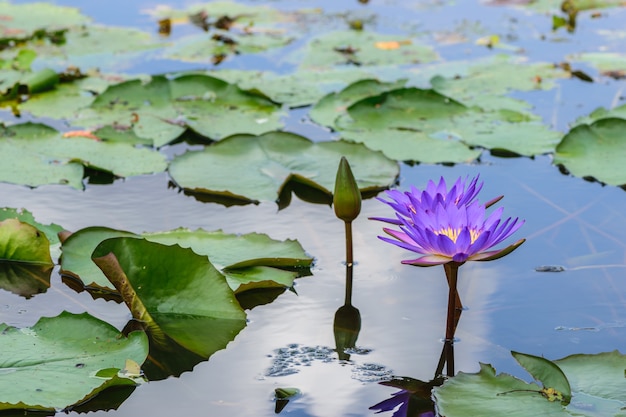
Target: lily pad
pixel 174 292
pixel 485 393
pixel 206 49
pixel 298 89
pixel 597 150
pixel 163 108
pixel 600 377
pixel 250 261
pixel 332 105
pixel 60 361
pixel 66 99
pixel 547 372
pixel 98 47
pixel 24 19
pixel 605 62
pixel 362 48
pixel 389 121
pixel 21 242
pixel 602 113
pixel 34 154
pixel 272 162
pixel 597 386
pixel 51 230
pixel 76 256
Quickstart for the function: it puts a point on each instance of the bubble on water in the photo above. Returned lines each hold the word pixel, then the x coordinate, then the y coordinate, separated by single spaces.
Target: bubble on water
pixel 287 360
pixel 357 351
pixel 371 372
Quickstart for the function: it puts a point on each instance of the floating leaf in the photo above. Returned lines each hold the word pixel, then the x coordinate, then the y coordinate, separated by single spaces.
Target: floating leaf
pixel 250 261
pixel 274 160
pixel 21 242
pixel 58 362
pixel 301 88
pixel 424 125
pixel 487 394
pixel 550 375
pixel 174 292
pixel 76 258
pixel 163 108
pixel 51 230
pixel 332 105
pixel 597 383
pixel 360 48
pixel 597 150
pixel 34 154
pixel 284 393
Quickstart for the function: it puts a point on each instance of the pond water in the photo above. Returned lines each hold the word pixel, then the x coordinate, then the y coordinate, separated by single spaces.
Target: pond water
pixel 570 222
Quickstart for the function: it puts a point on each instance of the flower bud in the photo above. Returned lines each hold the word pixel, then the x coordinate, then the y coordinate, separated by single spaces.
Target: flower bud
pixel 347 197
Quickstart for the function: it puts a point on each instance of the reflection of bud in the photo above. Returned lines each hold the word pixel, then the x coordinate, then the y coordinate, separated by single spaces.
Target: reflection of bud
pixel 346 327
pixel 347 197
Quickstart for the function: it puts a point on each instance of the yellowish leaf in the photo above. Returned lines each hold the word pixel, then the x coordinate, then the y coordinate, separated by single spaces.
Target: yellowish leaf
pixel 387 45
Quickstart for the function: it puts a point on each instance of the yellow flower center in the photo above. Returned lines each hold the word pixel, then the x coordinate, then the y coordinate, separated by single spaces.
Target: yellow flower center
pixel 453 234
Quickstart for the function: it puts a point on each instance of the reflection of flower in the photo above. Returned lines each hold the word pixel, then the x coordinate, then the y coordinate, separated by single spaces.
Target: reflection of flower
pixel 397 398
pixel 448 226
pixel 403 398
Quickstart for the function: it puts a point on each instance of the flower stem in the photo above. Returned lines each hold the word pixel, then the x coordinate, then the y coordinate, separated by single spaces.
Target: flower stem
pixel 454 301
pixel 349 255
pixel 349 263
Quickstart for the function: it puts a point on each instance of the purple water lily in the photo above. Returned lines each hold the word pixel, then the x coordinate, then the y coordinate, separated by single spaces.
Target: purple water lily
pixel 405 203
pixel 448 226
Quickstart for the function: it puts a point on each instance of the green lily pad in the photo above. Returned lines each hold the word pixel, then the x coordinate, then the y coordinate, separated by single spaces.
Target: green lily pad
pixel 485 393
pixel 250 261
pixel 363 49
pixel 602 113
pixel 34 154
pixel 443 129
pixel 201 48
pixel 597 387
pixel 57 362
pixel 243 14
pixel 485 83
pixel 298 89
pixel 21 242
pixel 332 105
pixel 596 379
pixel 51 230
pixel 547 372
pixel 163 108
pixel 174 292
pixel 24 19
pixel 272 162
pixel 554 5
pixel 76 256
pixel 66 99
pixel 597 150
pixel 104 48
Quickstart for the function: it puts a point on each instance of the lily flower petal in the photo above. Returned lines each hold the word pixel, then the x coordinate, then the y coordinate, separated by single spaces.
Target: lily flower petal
pixel 448 225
